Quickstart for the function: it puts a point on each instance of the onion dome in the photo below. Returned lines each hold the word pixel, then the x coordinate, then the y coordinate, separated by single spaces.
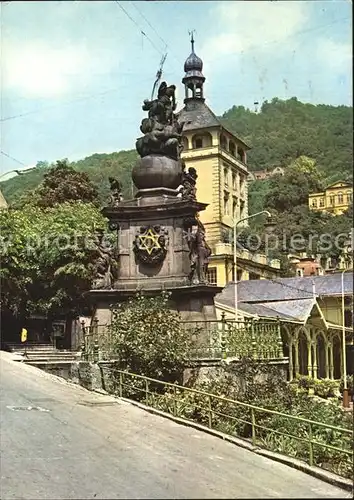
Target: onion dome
pixel 194 65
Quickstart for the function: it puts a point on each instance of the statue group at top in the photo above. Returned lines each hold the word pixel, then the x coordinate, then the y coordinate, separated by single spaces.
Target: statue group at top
pixel 162 132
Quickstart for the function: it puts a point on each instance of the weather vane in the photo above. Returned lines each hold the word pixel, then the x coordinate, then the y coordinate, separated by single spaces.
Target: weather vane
pixel 191 34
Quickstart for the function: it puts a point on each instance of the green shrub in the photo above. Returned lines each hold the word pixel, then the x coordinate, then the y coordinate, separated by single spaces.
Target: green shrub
pixel 305 382
pixel 326 388
pixel 235 419
pixel 148 337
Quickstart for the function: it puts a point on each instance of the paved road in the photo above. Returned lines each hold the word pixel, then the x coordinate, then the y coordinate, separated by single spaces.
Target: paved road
pixel 85 447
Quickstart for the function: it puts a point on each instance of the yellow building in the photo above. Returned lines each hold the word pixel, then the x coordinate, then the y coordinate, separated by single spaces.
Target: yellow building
pixel 336 198
pixel 311 315
pixel 220 159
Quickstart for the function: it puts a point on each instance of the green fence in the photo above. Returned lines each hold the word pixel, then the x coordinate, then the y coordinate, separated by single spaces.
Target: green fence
pixel 258 340
pixel 255 339
pixel 310 441
pixel 96 342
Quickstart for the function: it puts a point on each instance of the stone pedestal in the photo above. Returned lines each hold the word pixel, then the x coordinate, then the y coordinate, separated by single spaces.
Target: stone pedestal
pixel 160 221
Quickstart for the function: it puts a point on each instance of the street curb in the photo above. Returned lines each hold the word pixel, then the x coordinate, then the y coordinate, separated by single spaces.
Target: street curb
pixel 316 472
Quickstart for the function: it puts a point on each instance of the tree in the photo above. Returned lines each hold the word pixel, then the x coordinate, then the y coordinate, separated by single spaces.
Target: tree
pixel 47 257
pixel 285 130
pixel 293 188
pixel 149 338
pixel 17 271
pixel 63 183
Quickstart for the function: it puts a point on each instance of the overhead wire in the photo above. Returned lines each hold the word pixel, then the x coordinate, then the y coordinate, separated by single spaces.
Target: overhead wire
pixel 300 32
pixel 77 99
pixel 156 48
pixel 139 28
pixel 56 105
pixel 151 26
pixel 12 158
pixel 166 46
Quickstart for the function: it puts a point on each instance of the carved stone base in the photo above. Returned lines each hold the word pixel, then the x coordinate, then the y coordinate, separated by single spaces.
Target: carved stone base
pixel 194 303
pixel 146 227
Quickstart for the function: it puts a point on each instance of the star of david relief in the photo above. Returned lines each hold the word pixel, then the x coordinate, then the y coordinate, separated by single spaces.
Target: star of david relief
pixel 150 245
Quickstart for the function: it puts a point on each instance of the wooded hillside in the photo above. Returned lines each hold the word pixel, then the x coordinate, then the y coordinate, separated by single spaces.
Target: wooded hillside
pixel 281 132
pixel 285 130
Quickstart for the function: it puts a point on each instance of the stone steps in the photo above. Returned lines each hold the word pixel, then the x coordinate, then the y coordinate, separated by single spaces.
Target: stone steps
pixel 42 353
pixel 31 346
pixel 52 357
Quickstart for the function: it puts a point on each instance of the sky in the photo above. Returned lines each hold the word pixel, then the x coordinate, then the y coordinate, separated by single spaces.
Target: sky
pixel 74 74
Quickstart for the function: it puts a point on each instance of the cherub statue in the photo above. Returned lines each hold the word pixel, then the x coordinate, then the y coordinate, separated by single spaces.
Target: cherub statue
pixel 188 187
pixel 105 264
pixel 116 192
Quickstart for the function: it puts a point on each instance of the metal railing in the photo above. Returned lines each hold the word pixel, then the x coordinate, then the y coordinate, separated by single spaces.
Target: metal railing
pixel 206 407
pixel 96 342
pixel 256 339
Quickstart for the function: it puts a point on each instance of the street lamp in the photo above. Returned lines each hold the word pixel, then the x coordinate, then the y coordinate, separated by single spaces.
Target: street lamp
pixel 270 226
pixel 344 350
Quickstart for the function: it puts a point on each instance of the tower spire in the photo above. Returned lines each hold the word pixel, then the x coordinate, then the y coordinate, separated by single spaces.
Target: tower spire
pixel 193 79
pixel 191 34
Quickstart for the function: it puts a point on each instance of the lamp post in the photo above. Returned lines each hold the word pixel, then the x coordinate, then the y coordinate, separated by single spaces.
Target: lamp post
pixel 344 350
pixel 269 224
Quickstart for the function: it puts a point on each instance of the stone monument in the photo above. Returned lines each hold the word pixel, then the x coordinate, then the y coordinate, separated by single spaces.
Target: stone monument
pixel 160 239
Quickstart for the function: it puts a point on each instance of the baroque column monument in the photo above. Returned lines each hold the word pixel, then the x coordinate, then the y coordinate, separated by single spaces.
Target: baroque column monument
pixel 160 240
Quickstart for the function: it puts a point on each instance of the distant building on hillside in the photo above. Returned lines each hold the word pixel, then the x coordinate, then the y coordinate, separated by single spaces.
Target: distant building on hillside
pixel 309 266
pixel 318 265
pixel 261 175
pixel 335 199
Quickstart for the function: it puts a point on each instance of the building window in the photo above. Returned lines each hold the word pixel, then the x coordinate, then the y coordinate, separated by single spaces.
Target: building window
pixel 226 176
pixel 234 182
pixel 234 207
pixel 212 276
pixel 241 155
pixel 232 148
pixel 239 274
pixel 185 143
pixel 340 198
pixel 253 276
pixel 226 203
pixel 198 92
pixel 331 200
pixel 242 182
pixel 242 207
pixel 314 203
pixel 322 202
pixel 223 142
pixel 202 141
pixel 349 197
